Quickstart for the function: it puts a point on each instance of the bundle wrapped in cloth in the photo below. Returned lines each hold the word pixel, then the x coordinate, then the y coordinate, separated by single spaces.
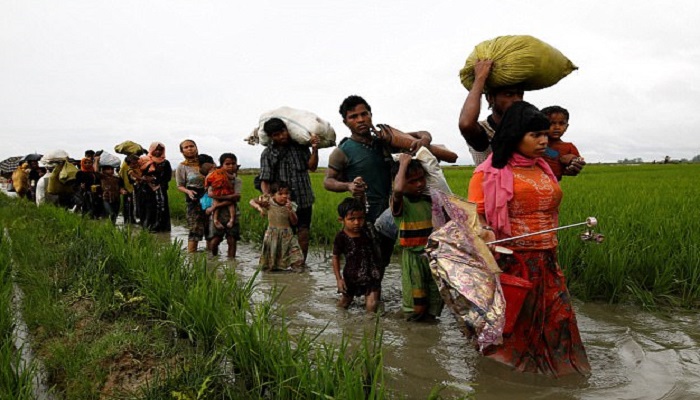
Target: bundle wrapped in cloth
pixel 402 140
pixel 518 60
pixel 300 124
pixel 128 147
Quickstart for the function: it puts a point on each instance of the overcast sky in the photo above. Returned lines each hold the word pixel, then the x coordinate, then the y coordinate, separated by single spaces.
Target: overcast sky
pixel 90 74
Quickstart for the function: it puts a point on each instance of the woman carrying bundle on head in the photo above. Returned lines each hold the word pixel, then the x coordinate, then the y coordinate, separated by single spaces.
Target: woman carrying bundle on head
pixel 516 193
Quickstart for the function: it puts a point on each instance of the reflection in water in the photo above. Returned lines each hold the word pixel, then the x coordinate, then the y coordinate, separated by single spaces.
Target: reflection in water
pixel 633 355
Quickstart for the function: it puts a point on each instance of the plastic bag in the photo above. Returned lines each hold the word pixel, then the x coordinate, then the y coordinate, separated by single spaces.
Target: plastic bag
pixel 518 60
pixel 386 225
pixel 300 124
pixel 109 160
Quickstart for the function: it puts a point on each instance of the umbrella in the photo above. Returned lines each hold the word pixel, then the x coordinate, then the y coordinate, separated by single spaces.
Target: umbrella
pixel 9 165
pixel 33 157
pixel 464 269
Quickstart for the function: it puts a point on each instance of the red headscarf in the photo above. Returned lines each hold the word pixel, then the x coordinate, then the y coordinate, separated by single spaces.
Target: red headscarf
pixel 85 167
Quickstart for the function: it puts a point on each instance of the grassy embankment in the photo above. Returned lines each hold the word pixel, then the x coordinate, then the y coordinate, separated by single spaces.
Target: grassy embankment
pixel 115 313
pixel 648 213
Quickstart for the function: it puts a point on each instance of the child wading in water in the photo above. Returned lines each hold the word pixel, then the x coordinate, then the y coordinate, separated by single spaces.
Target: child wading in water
pixel 562 157
pixel 280 249
pixel 412 211
pixel 361 275
pixel 221 205
pixel 218 184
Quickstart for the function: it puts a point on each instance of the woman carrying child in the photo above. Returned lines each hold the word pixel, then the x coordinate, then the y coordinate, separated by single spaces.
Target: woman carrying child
pixel 361 275
pixel 156 175
pixel 224 188
pixel 412 210
pixel 516 193
pixel 191 182
pixel 280 249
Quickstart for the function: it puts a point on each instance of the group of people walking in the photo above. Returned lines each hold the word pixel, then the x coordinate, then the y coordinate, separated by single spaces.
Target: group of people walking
pixel 514 187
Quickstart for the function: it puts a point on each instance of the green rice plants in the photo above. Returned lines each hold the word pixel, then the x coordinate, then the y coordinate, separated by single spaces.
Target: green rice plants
pixel 271 362
pixel 204 308
pixel 16 375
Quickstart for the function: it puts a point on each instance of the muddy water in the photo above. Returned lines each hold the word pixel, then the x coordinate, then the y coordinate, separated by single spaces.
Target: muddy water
pixel 633 354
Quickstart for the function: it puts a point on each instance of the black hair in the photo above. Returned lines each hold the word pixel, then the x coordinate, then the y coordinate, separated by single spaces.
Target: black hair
pixel 224 156
pixel 414 165
pixel 187 140
pixel 274 125
pixel 351 102
pixel 348 205
pixel 277 186
pixel 205 158
pixel 206 167
pixel 556 110
pixel 521 118
pixel 89 153
pixel 131 158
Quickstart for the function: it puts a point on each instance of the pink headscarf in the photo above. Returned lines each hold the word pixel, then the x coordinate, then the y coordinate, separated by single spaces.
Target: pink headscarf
pixel 498 189
pixel 149 161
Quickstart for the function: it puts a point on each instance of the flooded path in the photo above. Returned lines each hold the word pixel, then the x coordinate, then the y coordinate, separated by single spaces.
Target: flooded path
pixel 633 354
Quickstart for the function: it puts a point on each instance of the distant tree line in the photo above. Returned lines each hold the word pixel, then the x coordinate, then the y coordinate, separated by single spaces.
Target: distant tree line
pixel 666 160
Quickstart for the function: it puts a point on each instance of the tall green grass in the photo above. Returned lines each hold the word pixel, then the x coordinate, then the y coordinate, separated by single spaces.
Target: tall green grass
pixel 16 375
pixel 97 295
pixel 651 255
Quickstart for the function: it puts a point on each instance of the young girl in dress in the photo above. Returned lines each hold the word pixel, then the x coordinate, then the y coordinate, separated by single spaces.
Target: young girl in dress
pixel 280 249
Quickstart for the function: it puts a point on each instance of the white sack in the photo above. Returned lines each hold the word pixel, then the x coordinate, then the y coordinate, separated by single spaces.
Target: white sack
pixel 300 124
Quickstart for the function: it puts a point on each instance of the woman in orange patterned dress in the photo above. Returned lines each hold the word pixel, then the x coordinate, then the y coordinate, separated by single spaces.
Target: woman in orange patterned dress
pixel 516 193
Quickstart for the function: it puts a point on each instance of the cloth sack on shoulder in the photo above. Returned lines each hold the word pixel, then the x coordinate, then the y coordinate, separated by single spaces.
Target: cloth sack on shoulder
pixel 68 172
pixel 518 60
pixel 300 124
pixel 20 180
pixel 54 157
pixel 55 186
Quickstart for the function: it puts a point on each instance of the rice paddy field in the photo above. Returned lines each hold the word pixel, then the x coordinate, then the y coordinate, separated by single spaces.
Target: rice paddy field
pixel 116 313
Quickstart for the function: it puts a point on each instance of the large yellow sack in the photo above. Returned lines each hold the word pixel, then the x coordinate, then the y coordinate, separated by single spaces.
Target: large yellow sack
pixel 518 60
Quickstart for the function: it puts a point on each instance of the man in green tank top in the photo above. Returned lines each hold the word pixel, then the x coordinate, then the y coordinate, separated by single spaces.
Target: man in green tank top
pixel 361 164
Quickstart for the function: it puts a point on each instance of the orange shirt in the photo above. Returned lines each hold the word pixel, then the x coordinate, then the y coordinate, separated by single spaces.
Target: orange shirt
pixel 219 181
pixel 533 208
